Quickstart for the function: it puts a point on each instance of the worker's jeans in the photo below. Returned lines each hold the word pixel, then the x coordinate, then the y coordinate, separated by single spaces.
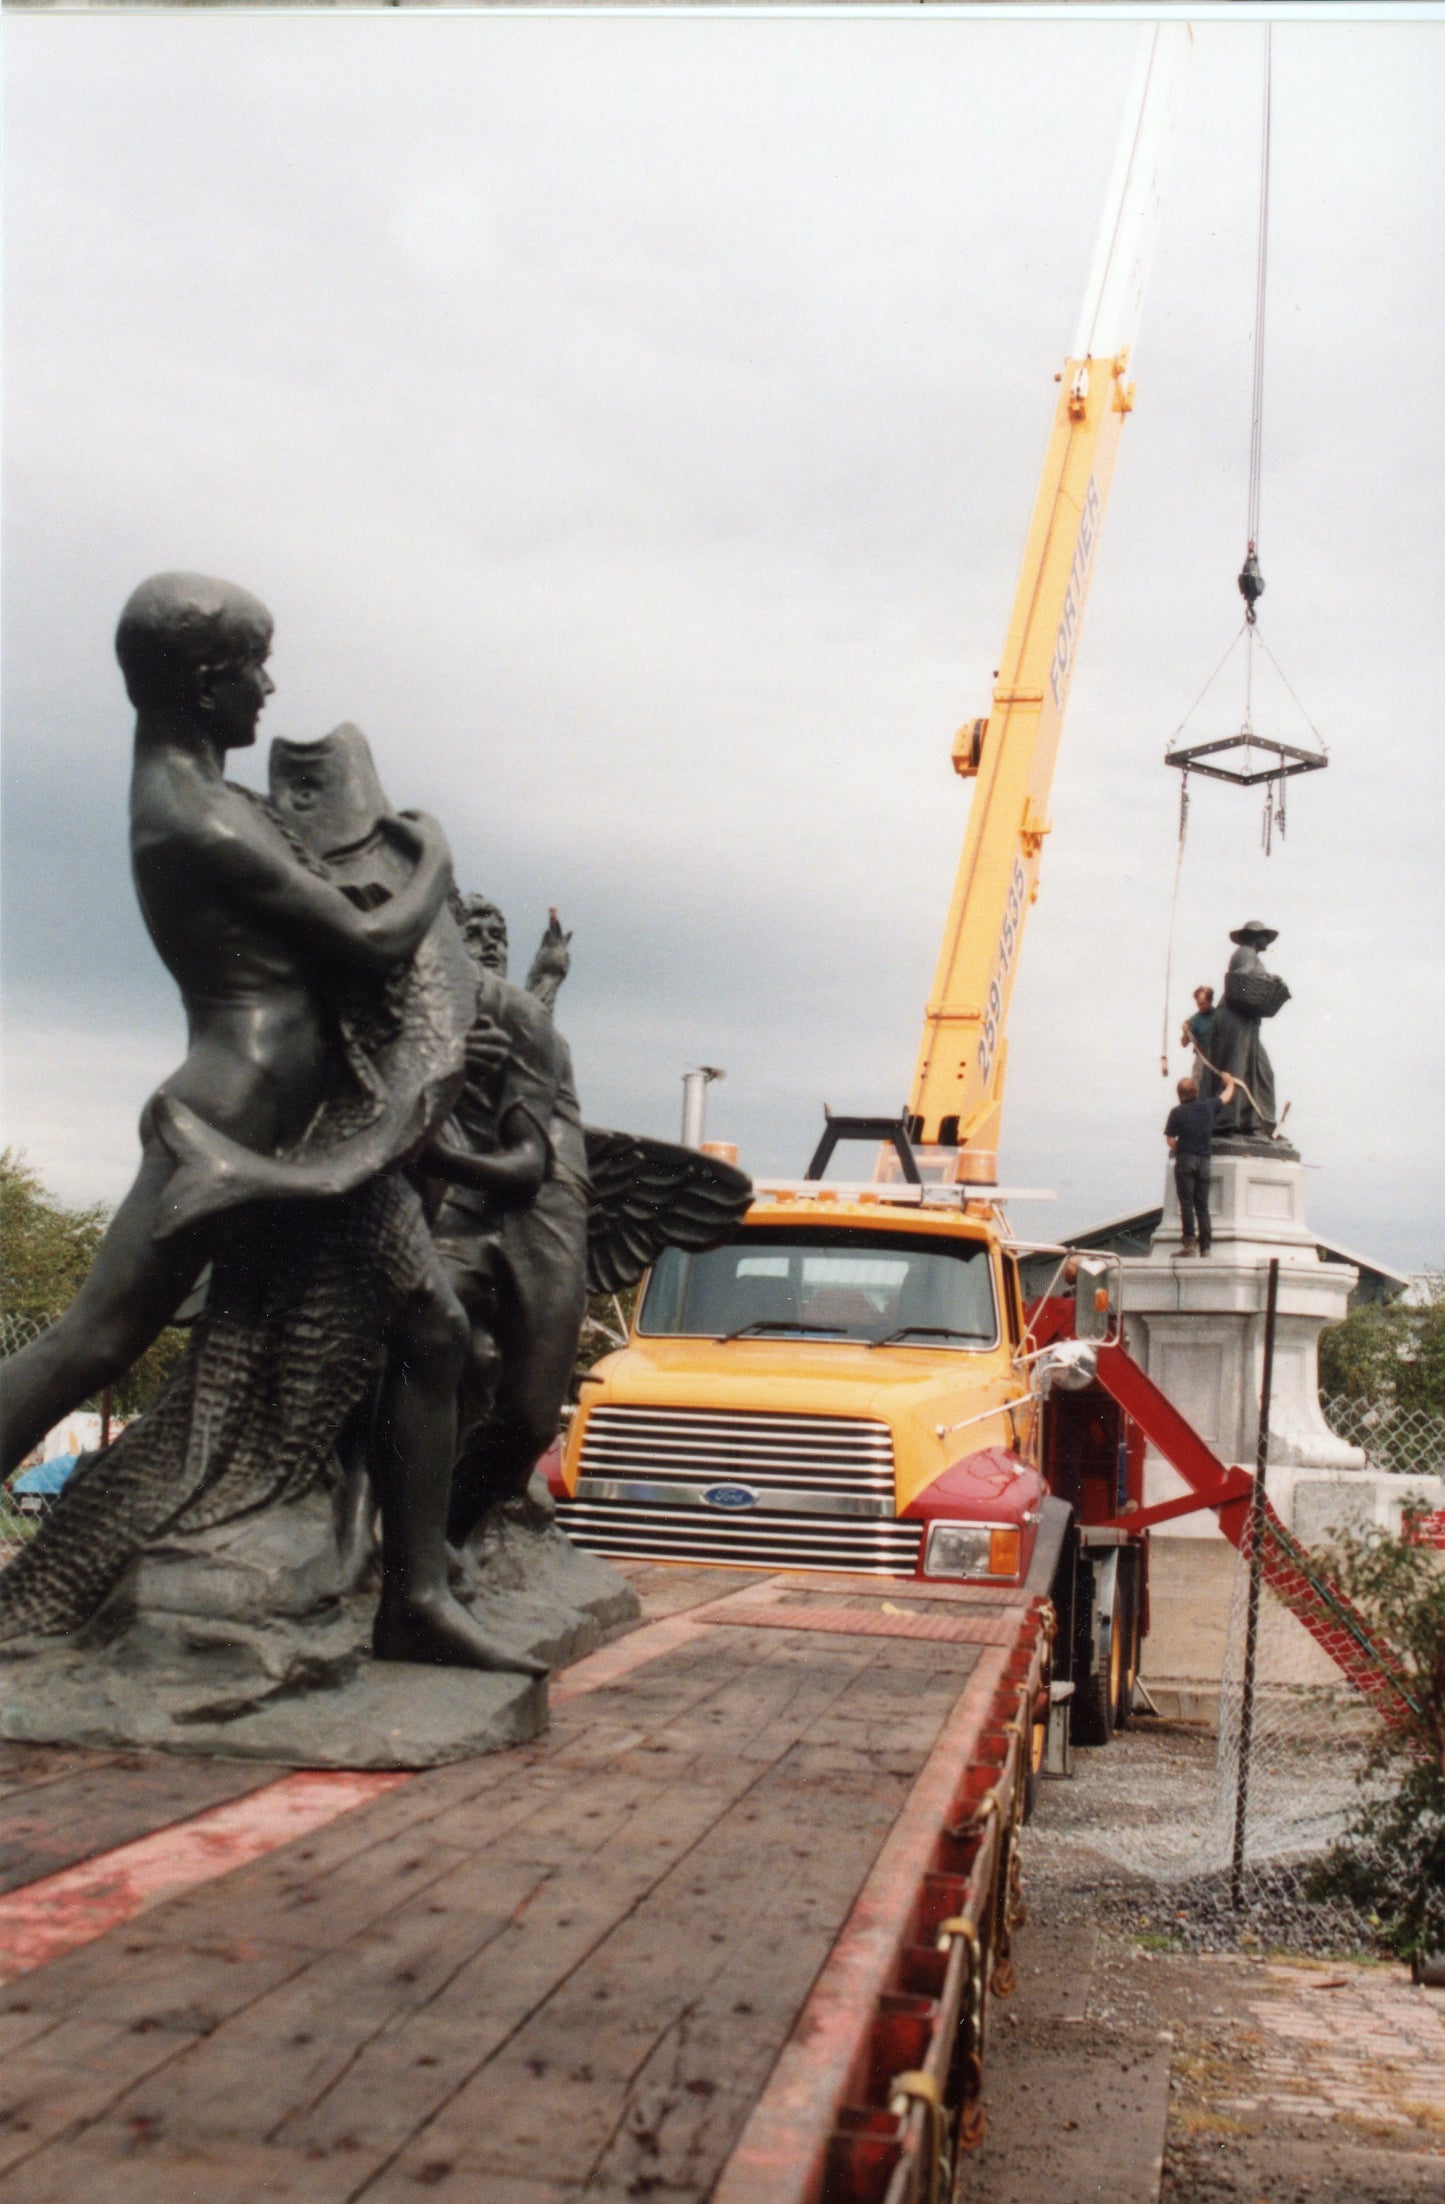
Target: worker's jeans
pixel 1191 1177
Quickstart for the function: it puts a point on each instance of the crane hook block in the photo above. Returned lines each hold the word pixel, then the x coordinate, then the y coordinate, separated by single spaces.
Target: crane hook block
pixel 1251 584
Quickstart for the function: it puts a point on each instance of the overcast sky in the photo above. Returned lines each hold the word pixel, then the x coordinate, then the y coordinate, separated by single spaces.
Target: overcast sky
pixel 633 425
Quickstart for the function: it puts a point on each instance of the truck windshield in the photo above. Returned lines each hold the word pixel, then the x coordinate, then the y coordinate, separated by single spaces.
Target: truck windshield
pixel 884 1288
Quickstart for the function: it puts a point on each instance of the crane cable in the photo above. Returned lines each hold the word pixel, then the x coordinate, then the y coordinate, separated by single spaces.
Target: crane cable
pixel 1261 279
pixel 1251 581
pixel 1173 910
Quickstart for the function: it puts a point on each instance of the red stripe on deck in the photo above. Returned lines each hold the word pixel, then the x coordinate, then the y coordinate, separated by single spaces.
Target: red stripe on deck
pixel 54 1916
pixel 999 1628
pixel 933 1590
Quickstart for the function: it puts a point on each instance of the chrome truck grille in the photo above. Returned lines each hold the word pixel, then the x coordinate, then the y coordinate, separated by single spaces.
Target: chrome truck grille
pixel 839 1455
pixel 799 1492
pixel 763 1541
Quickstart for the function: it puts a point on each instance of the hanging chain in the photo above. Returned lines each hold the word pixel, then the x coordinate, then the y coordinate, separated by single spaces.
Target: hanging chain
pixel 1251 581
pixel 1274 789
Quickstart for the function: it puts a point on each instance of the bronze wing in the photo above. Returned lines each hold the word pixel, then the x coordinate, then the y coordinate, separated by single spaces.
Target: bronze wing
pixel 651 1194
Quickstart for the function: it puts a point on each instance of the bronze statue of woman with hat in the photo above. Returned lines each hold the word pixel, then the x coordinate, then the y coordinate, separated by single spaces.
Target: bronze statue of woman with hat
pixel 1237 1051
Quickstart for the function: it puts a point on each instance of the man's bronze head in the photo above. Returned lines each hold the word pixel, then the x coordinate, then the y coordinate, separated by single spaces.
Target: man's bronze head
pixel 484 930
pixel 184 639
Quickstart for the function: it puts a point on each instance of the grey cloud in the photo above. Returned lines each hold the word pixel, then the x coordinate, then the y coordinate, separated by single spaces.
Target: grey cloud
pixel 633 424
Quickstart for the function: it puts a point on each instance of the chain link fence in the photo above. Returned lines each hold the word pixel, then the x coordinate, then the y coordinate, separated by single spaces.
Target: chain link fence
pixel 1405 1441
pixel 1313 1765
pixel 17 1331
pixel 19 1512
pixel 1309 1773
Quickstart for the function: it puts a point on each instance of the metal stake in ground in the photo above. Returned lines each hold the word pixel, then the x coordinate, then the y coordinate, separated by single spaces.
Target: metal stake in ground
pixel 1256 1569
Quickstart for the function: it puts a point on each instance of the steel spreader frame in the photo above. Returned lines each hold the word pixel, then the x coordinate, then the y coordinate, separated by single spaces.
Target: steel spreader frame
pixel 1288 760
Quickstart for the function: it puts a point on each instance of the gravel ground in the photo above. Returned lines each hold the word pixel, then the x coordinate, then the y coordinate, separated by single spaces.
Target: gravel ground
pixel 1152 1793
pixel 1275 1916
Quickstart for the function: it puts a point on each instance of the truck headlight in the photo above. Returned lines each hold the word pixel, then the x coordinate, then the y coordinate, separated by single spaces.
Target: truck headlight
pixel 972 1549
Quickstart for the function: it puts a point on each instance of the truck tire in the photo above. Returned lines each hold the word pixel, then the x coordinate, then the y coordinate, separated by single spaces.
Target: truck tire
pixel 1099 1694
pixel 1133 1639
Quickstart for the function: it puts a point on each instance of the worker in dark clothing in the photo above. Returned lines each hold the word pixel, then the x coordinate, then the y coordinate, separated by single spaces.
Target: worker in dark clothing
pixel 1195 1031
pixel 1189 1130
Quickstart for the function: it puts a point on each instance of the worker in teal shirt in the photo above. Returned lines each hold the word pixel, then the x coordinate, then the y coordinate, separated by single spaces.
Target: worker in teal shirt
pixel 1195 1031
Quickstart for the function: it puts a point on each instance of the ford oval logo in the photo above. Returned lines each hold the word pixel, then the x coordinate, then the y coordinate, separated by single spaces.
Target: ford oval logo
pixel 732 1497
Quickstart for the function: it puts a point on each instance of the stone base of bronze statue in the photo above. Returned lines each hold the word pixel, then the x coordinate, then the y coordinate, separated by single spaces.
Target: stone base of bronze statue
pixel 238 1643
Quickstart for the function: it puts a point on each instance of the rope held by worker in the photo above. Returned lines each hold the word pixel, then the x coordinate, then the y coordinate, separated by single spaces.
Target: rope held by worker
pixel 1227 1079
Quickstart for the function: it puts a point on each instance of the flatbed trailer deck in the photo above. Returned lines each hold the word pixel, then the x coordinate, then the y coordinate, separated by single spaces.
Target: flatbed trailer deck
pixel 726 1931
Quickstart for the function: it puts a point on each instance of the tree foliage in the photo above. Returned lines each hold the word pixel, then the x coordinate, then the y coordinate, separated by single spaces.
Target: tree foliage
pixel 45 1251
pixel 1392 1860
pixel 1392 1356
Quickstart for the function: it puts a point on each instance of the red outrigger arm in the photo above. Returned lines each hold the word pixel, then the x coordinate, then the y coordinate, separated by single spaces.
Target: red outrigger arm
pixel 1287 1566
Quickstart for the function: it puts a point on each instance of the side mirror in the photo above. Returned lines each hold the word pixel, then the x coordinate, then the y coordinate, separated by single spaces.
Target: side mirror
pixel 1093 1312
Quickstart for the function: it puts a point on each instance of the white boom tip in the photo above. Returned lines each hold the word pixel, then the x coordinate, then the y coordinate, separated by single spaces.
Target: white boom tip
pixel 1109 317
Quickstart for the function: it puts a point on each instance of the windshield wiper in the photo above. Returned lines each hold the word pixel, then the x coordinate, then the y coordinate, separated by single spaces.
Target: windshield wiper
pixel 782 1324
pixel 924 1331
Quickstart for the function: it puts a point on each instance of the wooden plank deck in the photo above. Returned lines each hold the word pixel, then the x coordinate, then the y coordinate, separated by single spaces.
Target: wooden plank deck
pixel 561 1972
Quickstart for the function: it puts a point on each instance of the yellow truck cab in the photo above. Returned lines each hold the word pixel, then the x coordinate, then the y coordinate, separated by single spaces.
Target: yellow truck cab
pixel 838 1386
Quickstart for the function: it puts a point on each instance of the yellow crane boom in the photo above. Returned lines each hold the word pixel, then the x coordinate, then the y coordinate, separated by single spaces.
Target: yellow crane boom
pixel 957 1093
